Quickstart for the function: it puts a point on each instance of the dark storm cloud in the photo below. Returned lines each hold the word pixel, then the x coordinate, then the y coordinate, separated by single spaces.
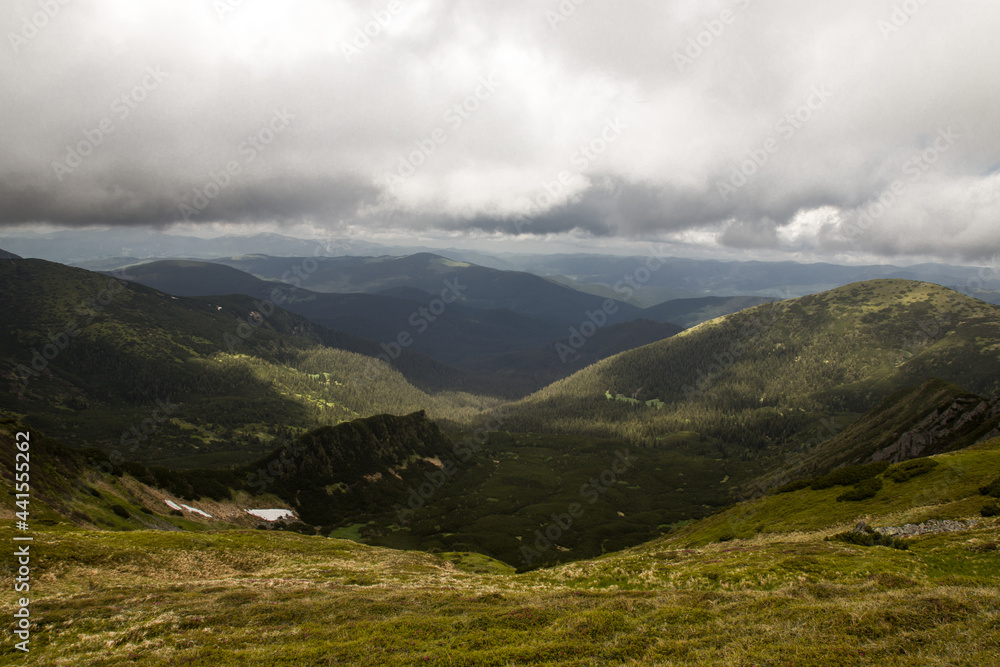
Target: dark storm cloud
pixel 729 113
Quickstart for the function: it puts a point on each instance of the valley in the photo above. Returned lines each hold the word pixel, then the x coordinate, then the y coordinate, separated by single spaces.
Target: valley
pixel 509 466
pixel 500 334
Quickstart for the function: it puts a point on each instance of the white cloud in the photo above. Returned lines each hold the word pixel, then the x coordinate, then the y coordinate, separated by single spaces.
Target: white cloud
pixel 355 118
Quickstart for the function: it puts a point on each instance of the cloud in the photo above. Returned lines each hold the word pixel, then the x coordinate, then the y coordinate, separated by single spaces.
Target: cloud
pixel 769 125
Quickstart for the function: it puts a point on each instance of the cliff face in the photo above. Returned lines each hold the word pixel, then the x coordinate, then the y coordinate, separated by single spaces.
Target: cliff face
pixel 964 422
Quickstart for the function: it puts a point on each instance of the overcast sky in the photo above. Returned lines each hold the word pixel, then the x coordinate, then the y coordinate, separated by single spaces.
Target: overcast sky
pixel 763 127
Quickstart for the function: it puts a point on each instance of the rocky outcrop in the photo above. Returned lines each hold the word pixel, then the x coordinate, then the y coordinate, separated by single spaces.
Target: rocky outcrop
pixel 938 430
pixel 926 528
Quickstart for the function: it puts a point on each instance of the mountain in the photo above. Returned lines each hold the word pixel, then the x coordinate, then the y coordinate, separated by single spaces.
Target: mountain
pixel 8 255
pixel 192 278
pixel 643 298
pixel 755 378
pixel 933 418
pixel 527 371
pixel 158 586
pixel 73 247
pixel 453 334
pixel 499 351
pixel 633 277
pixel 690 312
pixel 341 475
pixel 94 361
pixel 479 287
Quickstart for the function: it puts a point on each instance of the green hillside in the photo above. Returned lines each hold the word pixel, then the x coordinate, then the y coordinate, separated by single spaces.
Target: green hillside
pixel 919 421
pixel 232 597
pixel 93 361
pixel 759 377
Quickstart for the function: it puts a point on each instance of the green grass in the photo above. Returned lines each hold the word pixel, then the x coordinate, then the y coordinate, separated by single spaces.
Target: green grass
pixel 758 584
pixel 234 598
pixel 948 490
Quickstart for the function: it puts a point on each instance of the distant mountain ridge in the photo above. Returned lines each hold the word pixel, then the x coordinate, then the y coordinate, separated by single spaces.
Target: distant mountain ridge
pixel 509 353
pixel 481 287
pixel 88 357
pixel 691 312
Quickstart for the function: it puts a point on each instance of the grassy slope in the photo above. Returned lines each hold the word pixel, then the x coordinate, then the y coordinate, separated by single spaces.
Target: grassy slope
pixel 251 597
pixel 839 352
pixel 236 396
pixel 878 429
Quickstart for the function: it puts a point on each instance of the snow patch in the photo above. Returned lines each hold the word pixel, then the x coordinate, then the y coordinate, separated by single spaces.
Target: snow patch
pixel 196 511
pixel 271 515
pixel 172 505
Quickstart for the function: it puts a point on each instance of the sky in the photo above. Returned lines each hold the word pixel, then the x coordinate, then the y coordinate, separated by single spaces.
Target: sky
pixel 748 128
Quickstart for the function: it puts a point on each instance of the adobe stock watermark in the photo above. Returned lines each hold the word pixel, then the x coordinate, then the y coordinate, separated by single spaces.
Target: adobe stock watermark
pixel 914 168
pixel 632 282
pixel 121 108
pixel 220 179
pixel 591 491
pixel 408 164
pixel 464 451
pixel 139 433
pixel 900 17
pixel 32 26
pixel 578 336
pixel 581 160
pixel 294 277
pixel 713 29
pixel 627 286
pixel 786 128
pixel 760 323
pixel 372 29
pixel 57 343
pixel 224 7
pixel 420 320
pixel 291 452
pixel 564 10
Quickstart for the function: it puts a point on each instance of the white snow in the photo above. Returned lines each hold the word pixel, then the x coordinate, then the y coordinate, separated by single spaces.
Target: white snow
pixel 172 505
pixel 271 515
pixel 196 511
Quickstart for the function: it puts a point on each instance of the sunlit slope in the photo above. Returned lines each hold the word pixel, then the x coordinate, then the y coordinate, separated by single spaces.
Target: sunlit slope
pixel 773 591
pixel 96 362
pixel 762 375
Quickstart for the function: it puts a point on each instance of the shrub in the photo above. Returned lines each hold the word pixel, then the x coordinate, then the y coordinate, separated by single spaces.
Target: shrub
pixel 907 470
pixel 849 475
pixel 991 489
pixel 870 538
pixel 793 486
pixel 990 510
pixel 862 490
pixel 120 511
pixel 300 527
pixel 176 513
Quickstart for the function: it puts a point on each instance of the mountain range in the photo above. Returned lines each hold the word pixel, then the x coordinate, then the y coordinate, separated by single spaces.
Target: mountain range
pixel 220 435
